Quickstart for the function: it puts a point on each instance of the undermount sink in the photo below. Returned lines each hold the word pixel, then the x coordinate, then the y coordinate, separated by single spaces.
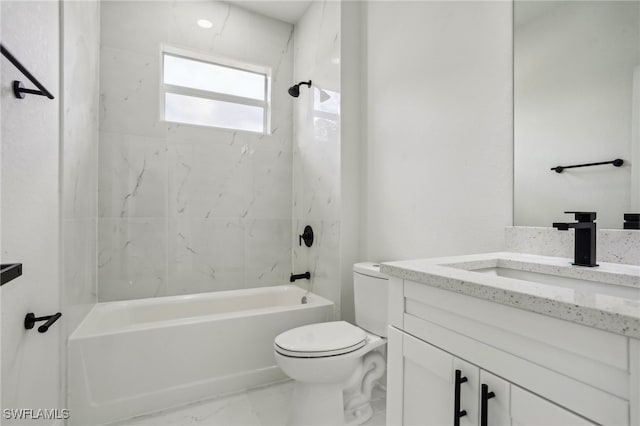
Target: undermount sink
pixel 561 281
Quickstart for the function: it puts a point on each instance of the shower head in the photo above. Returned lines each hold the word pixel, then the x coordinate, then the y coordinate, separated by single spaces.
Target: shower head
pixel 295 89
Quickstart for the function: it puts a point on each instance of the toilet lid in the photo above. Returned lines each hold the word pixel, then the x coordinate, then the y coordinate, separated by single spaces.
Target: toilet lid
pixel 322 339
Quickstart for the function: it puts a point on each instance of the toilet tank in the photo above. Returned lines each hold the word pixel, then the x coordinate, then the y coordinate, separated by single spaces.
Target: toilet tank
pixel 370 289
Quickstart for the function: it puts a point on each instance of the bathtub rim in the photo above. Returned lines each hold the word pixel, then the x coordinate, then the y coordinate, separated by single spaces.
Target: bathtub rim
pixel 79 333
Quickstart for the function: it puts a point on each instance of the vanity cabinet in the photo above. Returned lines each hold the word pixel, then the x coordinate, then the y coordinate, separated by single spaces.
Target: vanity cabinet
pixel 541 370
pixel 436 385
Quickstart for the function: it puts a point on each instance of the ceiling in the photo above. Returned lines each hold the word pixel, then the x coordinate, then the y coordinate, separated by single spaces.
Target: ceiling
pixel 285 10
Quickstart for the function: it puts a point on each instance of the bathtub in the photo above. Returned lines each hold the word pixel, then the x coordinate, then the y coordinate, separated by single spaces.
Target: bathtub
pixel 134 357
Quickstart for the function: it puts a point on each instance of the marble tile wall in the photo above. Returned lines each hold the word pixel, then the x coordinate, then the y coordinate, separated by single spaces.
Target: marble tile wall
pixel 187 209
pixel 613 245
pixel 80 57
pixel 316 153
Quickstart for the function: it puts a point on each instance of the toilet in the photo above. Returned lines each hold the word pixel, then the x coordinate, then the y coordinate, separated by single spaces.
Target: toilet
pixel 335 364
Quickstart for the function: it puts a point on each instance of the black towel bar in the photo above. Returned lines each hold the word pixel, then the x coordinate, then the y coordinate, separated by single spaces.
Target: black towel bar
pixel 617 163
pixel 18 90
pixel 30 320
pixel 9 272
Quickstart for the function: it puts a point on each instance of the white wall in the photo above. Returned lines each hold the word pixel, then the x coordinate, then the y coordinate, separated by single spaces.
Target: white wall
pixel 351 147
pixel 30 208
pixel 574 72
pixel 439 128
pixel 388 152
pixel 316 161
pixel 188 209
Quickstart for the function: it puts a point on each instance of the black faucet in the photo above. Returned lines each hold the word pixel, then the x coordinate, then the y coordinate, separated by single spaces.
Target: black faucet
pixel 585 249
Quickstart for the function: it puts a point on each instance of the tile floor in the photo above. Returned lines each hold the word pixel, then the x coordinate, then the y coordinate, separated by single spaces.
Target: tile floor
pixel 266 406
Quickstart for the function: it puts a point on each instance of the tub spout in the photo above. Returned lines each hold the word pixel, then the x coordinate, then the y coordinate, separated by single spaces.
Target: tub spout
pixel 294 277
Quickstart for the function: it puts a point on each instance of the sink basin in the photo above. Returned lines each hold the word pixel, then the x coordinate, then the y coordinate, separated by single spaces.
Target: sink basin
pixel 561 282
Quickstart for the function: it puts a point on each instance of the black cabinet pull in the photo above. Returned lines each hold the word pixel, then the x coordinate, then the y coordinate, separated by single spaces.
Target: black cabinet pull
pixel 484 404
pixel 457 413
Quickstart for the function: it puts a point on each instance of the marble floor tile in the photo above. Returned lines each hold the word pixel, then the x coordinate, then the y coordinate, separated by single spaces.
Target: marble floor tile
pixel 266 406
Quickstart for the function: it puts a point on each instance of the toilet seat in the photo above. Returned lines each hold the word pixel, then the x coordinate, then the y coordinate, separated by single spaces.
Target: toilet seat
pixel 320 340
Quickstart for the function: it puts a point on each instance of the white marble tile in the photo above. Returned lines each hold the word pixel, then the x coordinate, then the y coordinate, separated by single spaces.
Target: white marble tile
pixel 316 152
pixel 267 252
pixel 271 403
pixel 183 29
pixel 316 182
pixel 178 132
pixel 265 406
pixel 79 169
pixel 79 268
pixel 209 181
pixel 130 93
pixel 300 253
pixel 80 37
pixel 281 137
pixel 205 255
pixel 130 33
pixel 236 32
pixel 325 264
pixel 322 260
pixel 133 176
pixel 271 185
pixel 232 410
pixel 80 115
pixel 132 258
pixel 206 173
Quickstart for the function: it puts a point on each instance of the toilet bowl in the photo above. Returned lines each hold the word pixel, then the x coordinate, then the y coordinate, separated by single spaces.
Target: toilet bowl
pixel 327 360
pixel 335 364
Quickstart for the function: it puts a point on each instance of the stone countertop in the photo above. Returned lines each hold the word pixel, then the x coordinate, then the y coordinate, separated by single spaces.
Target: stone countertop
pixel 606 297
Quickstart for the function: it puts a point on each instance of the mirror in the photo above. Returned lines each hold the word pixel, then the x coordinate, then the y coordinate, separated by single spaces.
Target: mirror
pixel 576 101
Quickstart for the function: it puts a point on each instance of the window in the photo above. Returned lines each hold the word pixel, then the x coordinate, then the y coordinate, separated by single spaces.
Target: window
pixel 200 91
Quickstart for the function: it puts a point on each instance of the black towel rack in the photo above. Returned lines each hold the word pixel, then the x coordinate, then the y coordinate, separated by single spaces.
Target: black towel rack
pixel 9 272
pixel 617 163
pixel 30 320
pixel 18 89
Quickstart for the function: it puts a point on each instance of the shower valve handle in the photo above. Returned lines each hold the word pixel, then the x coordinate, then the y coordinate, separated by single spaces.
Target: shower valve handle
pixel 306 236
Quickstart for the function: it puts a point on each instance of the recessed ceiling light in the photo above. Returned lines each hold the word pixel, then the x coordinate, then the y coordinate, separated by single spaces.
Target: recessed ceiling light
pixel 205 23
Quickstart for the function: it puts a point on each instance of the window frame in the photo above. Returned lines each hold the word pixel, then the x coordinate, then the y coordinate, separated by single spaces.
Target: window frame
pixel 217 96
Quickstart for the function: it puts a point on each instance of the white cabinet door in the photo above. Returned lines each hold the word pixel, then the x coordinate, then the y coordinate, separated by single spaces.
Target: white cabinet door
pixel 427 386
pixel 421 386
pixel 494 400
pixel 528 409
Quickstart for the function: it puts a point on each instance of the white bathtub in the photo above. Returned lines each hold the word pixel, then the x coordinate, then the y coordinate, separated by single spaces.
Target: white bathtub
pixel 134 357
